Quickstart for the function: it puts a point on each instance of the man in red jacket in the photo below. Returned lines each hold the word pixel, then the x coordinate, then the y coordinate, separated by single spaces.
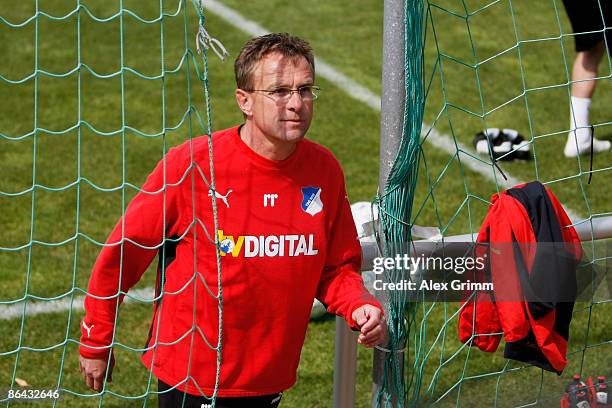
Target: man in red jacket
pixel 285 236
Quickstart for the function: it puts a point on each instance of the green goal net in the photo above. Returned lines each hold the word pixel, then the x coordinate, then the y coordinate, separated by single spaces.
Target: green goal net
pixel 504 65
pixel 94 95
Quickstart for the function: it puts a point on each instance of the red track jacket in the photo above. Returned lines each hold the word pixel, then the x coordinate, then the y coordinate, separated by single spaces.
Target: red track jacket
pixel 535 331
pixel 286 235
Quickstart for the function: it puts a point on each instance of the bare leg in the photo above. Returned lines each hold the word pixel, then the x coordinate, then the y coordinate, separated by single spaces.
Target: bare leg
pixel 583 88
pixel 585 67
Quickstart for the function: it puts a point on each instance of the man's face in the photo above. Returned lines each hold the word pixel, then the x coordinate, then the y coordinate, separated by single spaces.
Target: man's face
pixel 278 120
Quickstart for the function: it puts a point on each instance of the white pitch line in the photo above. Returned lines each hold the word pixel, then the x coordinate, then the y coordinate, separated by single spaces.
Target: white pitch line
pixel 34 308
pixel 440 141
pixel 325 70
pixel 445 143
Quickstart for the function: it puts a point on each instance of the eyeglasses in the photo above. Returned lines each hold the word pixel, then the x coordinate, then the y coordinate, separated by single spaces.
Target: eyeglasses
pixel 282 94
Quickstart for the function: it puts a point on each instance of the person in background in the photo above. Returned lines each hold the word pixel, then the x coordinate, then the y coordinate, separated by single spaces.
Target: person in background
pixel 592 17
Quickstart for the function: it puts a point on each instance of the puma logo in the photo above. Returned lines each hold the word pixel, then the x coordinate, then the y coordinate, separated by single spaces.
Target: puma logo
pixel 87 328
pixel 280 395
pixel 220 196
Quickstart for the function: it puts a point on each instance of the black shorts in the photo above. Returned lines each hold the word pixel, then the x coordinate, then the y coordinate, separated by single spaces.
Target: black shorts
pixel 174 399
pixel 586 16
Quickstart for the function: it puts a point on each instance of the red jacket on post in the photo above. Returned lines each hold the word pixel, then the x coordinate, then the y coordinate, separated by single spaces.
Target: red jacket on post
pixel 533 253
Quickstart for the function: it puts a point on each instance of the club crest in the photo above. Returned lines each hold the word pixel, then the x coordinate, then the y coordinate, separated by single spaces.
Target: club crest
pixel 311 200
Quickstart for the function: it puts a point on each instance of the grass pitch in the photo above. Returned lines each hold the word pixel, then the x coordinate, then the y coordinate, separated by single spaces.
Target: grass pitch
pixel 488 82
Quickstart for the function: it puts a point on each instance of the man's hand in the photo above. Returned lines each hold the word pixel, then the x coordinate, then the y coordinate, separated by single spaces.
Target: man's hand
pixel 93 371
pixel 372 325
